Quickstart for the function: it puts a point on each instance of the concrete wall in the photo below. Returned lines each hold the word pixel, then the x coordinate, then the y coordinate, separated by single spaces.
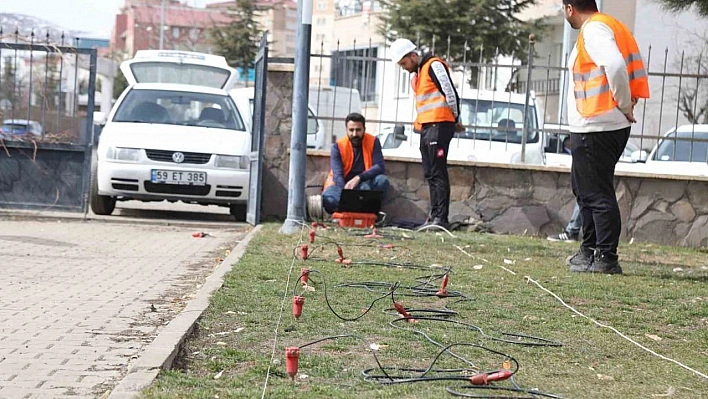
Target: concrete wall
pixel 508 199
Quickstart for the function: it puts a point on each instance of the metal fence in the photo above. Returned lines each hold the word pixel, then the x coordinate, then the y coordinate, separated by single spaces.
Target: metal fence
pixel 679 93
pixel 47 86
pixel 46 107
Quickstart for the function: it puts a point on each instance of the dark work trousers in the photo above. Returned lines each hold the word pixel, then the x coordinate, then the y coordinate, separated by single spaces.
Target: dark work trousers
pixel 592 178
pixel 434 144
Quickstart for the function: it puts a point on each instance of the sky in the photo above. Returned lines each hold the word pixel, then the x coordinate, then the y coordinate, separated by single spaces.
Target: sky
pixel 92 16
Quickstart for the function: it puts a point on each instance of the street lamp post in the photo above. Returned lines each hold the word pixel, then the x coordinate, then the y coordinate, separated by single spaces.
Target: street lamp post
pixel 298 139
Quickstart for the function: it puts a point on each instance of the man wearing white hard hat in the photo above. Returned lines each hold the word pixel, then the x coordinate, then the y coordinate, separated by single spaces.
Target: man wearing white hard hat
pixel 438 112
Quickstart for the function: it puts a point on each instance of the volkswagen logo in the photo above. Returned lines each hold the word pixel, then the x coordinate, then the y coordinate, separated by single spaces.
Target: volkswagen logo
pixel 178 157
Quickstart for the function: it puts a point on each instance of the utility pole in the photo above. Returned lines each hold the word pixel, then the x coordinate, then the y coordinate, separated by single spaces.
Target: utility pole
pixel 298 138
pixel 162 25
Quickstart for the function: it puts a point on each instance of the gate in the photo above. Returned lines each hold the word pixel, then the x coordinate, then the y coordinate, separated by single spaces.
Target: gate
pixel 257 134
pixel 46 107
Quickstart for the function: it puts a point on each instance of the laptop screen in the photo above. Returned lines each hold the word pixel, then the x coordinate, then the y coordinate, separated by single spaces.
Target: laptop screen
pixel 360 201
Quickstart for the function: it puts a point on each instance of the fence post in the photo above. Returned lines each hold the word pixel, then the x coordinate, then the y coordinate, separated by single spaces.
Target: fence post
pixel 525 130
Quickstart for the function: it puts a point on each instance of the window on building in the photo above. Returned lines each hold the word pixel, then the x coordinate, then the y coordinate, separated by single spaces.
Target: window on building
pixel 322 5
pixel 320 37
pixel 358 73
pixel 194 34
pixel 175 32
pixel 321 21
pixel 404 83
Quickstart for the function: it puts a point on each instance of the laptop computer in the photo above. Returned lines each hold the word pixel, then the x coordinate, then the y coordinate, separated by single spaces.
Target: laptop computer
pixel 360 201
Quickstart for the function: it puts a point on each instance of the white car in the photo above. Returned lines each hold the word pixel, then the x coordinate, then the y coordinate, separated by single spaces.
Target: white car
pixel 175 134
pixel 315 127
pixel 494 126
pixel 681 153
pixel 630 160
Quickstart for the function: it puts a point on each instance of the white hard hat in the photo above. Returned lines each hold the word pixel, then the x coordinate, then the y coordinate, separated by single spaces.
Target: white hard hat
pixel 401 48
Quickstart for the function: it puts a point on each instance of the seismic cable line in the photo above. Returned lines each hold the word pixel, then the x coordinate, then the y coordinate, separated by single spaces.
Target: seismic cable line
pixel 481 381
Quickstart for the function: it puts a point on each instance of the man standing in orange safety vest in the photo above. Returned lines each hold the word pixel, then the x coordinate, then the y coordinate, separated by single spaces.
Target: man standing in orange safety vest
pixel 438 114
pixel 608 78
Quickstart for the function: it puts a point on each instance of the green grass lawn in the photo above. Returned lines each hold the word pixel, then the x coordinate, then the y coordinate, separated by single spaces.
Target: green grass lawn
pixel 661 302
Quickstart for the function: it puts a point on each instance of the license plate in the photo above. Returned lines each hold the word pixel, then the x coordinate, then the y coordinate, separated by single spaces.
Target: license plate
pixel 178 177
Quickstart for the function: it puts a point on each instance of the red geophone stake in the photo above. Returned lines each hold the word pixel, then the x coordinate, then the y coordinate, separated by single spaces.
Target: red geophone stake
pixel 292 355
pixel 443 287
pixel 486 378
pixel 304 275
pixel 298 301
pixel 304 249
pixel 402 310
pixel 312 236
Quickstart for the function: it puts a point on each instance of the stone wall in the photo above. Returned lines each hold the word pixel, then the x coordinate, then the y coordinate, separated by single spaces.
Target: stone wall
pixel 520 199
pixel 507 199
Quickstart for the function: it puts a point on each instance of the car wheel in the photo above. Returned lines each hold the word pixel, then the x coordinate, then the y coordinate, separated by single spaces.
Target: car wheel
pixel 239 211
pixel 100 204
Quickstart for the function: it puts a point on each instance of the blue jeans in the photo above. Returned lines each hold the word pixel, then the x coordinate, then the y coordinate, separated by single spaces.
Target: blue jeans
pixel 574 224
pixel 331 195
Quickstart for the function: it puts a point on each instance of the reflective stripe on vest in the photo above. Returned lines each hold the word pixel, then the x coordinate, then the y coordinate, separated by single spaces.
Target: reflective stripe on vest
pixel 591 87
pixel 347 153
pixel 431 105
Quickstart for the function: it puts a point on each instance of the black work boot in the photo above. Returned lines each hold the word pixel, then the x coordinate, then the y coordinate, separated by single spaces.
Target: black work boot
pixel 606 263
pixel 582 260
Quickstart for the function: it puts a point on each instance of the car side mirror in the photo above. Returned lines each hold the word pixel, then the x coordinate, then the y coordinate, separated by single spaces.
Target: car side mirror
pixel 399 133
pixel 639 156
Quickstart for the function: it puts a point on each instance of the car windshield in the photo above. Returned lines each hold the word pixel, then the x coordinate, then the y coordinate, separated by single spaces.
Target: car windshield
pixel 179 108
pixel 672 149
pixel 14 127
pixel 503 121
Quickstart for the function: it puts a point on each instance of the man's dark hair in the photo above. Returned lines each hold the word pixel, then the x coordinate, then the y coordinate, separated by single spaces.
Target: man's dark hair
pixel 582 5
pixel 355 117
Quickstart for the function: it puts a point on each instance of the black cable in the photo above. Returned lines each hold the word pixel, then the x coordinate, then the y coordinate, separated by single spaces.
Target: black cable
pixel 536 394
pixel 368 345
pixel 538 340
pixel 324 285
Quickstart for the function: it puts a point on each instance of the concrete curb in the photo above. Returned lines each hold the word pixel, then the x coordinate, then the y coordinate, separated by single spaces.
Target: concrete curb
pixel 162 351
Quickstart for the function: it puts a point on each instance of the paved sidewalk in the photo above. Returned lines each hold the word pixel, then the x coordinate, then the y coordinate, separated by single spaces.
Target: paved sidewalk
pixel 79 301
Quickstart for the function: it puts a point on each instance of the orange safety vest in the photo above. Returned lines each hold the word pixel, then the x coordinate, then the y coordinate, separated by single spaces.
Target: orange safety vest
pixel 592 89
pixel 430 102
pixel 347 153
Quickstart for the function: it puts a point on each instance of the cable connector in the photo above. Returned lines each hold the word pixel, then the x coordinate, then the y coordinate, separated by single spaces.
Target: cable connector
pixel 304 251
pixel 298 301
pixel 443 287
pixel 486 378
pixel 292 355
pixel 402 310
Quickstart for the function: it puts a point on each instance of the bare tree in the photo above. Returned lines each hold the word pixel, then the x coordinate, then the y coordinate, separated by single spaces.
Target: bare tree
pixel 693 102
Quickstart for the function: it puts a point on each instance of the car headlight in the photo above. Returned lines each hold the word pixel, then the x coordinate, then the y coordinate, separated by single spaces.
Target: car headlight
pixel 123 154
pixel 232 161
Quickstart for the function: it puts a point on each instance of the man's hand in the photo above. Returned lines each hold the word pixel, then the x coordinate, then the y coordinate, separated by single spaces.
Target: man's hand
pixel 630 116
pixel 351 184
pixel 459 128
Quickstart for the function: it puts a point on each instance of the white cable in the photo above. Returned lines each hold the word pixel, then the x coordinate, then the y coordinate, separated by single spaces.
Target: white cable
pixel 616 331
pixel 528 278
pixel 280 316
pixel 431 226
